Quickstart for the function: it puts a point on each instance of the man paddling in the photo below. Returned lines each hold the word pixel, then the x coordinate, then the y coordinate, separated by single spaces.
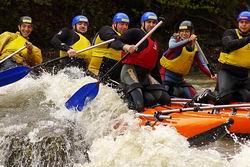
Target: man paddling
pixel 11 42
pixel 104 57
pixel 69 41
pixel 233 80
pixel 140 86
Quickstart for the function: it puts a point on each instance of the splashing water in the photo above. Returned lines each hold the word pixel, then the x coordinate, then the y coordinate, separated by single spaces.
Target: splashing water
pixel 37 130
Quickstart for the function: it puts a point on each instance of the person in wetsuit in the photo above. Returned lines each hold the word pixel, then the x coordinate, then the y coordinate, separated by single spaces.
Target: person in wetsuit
pixel 104 57
pixel 69 41
pixel 233 80
pixel 177 61
pixel 140 86
pixel 11 42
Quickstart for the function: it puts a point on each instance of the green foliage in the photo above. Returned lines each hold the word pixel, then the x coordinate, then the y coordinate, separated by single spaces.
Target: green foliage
pixel 210 17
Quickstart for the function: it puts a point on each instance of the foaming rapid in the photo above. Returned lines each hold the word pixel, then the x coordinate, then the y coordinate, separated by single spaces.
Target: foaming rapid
pixel 35 121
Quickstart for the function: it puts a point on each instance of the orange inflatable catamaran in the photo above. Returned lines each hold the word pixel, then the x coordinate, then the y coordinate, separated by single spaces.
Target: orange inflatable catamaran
pixel 202 123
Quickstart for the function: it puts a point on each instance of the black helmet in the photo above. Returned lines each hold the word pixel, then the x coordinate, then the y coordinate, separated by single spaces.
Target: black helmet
pixel 186 25
pixel 25 19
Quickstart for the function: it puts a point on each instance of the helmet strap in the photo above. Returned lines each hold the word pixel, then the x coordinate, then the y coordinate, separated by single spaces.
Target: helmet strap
pixel 115 26
pixel 143 27
pixel 19 29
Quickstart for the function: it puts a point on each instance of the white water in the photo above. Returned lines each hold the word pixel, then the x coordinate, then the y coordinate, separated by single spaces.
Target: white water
pixel 35 108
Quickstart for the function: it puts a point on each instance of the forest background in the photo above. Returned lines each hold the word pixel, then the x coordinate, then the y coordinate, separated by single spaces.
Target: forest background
pixel 210 18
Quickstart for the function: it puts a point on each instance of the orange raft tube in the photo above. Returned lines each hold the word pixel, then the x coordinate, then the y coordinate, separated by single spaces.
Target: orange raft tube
pixel 239 112
pixel 198 130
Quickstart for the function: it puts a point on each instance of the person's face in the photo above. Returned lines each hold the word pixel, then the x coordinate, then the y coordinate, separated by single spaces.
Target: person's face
pixel 149 25
pixel 81 27
pixel 244 26
pixel 121 27
pixel 25 29
pixel 184 34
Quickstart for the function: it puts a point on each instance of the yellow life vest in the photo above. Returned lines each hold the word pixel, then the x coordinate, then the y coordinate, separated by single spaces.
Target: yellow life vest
pixel 102 51
pixel 15 41
pixel 82 43
pixel 181 64
pixel 239 57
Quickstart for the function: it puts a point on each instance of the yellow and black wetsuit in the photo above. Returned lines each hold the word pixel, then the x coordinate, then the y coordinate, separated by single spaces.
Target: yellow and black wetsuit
pixel 104 57
pixel 233 80
pixel 67 39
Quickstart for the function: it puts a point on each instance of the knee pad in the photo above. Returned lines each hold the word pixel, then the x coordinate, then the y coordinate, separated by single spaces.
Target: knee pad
pixel 149 98
pixel 134 86
pixel 160 93
pixel 137 99
pixel 133 96
pixel 156 87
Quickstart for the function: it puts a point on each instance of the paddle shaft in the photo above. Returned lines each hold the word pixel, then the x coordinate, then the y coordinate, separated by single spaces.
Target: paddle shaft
pixel 204 57
pixel 127 54
pixel 195 104
pixel 12 54
pixel 180 100
pixel 205 108
pixel 79 51
pixel 152 116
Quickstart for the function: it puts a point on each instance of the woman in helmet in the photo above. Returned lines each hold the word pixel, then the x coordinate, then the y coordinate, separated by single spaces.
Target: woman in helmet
pixel 104 57
pixel 10 42
pixel 233 80
pixel 69 41
pixel 140 86
pixel 178 59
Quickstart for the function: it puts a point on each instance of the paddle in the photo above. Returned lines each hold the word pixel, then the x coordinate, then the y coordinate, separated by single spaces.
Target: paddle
pixel 152 116
pixel 89 91
pixel 12 54
pixel 205 108
pixel 204 57
pixel 14 74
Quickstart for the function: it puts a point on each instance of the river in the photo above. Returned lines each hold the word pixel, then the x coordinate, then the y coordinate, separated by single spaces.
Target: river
pixel 37 130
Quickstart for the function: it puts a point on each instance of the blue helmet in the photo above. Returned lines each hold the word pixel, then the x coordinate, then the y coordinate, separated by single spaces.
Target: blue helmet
pixel 79 18
pixel 149 16
pixel 120 17
pixel 245 15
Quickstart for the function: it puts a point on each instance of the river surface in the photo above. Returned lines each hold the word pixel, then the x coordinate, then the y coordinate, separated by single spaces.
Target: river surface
pixel 37 130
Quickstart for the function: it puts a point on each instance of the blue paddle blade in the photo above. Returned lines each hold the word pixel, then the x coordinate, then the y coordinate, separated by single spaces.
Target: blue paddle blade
pixel 12 75
pixel 84 95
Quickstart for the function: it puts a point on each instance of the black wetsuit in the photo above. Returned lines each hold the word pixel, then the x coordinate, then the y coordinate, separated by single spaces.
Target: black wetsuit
pixel 144 90
pixel 107 33
pixel 63 40
pixel 233 81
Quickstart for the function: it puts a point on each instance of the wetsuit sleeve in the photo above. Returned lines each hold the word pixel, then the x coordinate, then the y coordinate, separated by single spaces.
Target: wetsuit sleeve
pixel 131 37
pixel 175 48
pixel 174 44
pixel 231 41
pixel 107 33
pixel 60 39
